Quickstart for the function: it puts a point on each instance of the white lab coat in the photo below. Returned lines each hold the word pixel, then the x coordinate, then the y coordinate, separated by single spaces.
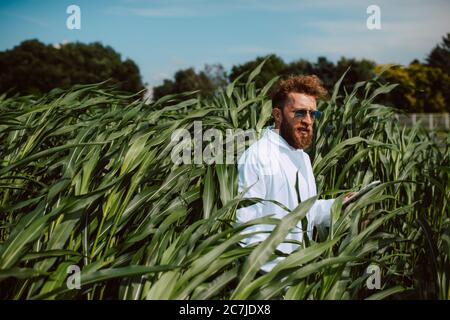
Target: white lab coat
pixel 271 166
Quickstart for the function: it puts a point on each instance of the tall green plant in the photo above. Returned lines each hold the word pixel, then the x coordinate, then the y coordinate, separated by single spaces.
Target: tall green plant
pixel 87 179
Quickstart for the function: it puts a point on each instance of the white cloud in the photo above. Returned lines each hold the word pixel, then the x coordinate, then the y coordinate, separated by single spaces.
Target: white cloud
pixel 406 33
pixel 410 28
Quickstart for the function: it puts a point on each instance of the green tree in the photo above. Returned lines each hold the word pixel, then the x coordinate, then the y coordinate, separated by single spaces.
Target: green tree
pixel 206 81
pixel 35 68
pixel 421 88
pixel 217 75
pixel 358 70
pixel 273 67
pixel 326 71
pixel 439 57
pixel 298 67
pixel 166 88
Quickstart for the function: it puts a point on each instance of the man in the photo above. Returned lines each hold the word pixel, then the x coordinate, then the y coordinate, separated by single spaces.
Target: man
pixel 274 166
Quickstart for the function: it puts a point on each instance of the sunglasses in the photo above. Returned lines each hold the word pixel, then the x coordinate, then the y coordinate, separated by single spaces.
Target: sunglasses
pixel 302 113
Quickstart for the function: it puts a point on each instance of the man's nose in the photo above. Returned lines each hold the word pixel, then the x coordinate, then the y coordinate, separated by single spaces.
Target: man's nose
pixel 307 119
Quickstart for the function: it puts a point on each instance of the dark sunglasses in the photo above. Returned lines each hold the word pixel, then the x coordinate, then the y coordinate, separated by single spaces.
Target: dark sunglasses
pixel 302 113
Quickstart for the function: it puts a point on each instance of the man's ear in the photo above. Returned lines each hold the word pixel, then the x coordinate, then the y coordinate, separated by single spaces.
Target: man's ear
pixel 277 115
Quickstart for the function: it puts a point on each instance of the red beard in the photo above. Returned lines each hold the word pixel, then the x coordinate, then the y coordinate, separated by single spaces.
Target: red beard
pixel 299 136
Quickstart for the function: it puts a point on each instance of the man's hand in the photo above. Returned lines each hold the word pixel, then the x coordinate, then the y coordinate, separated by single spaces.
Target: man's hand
pixel 347 197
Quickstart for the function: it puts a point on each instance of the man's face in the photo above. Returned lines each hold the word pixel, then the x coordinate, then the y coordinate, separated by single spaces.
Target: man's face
pixel 297 131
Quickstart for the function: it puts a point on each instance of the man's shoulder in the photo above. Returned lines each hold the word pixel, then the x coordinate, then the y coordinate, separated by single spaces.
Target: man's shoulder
pixel 306 155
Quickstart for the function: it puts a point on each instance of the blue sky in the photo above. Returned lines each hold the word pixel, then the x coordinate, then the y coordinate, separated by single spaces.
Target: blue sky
pixel 163 36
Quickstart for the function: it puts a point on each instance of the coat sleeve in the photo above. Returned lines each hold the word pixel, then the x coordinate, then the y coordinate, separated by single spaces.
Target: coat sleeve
pixel 319 215
pixel 320 212
pixel 250 176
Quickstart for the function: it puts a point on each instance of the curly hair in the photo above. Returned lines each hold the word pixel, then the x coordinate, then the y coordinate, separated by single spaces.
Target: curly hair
pixel 310 85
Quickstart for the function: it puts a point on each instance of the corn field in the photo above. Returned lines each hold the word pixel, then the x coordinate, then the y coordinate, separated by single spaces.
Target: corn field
pixel 86 180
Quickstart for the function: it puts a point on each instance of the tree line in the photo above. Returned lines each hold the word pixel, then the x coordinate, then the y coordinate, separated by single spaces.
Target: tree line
pixel 35 68
pixel 423 86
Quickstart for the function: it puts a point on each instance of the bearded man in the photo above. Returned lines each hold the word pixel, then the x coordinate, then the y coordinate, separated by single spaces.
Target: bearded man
pixel 277 168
